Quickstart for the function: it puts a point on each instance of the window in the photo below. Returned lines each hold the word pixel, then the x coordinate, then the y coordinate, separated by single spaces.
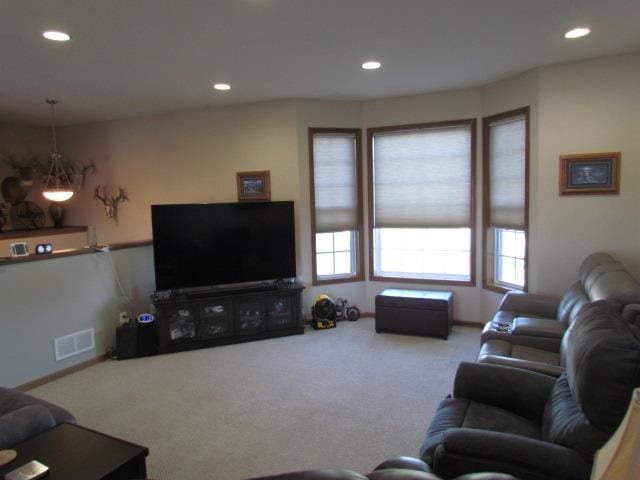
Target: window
pixel 336 204
pixel 505 202
pixel 421 187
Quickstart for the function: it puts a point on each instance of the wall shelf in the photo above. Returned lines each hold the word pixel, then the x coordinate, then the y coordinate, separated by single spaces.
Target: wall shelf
pixel 71 252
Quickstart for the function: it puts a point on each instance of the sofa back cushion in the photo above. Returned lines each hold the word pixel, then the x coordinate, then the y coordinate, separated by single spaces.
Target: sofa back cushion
pixel 601 354
pixel 602 363
pixel 565 424
pixel 572 301
pixel 608 281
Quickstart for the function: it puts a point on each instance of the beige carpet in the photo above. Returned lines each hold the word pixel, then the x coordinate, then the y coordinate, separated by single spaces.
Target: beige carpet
pixel 344 398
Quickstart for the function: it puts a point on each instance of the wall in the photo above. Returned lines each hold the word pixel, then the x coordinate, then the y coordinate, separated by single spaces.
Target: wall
pixel 584 106
pixel 188 157
pixel 589 106
pixel 22 143
pixel 51 298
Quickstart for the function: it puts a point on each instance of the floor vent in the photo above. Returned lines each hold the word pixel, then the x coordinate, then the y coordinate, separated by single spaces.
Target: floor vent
pixel 74 344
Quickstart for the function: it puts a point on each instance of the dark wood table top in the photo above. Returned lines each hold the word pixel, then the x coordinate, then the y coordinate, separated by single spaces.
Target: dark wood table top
pixel 73 452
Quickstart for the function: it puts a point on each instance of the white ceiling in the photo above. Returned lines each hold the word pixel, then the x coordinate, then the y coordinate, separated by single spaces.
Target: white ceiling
pixel 140 57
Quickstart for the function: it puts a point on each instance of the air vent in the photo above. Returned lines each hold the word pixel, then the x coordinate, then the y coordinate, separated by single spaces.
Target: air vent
pixel 74 344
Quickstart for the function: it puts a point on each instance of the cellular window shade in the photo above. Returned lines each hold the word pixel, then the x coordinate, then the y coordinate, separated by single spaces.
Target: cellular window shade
pixel 507 145
pixel 334 182
pixel 422 178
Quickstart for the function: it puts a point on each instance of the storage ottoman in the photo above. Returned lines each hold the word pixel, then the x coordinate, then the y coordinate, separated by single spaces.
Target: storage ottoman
pixel 418 312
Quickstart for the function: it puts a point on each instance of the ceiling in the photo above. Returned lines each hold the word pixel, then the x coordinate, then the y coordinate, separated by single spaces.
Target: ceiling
pixel 132 58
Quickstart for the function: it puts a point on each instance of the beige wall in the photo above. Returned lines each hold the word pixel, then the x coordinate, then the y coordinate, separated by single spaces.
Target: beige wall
pixel 189 157
pixel 589 106
pixel 585 106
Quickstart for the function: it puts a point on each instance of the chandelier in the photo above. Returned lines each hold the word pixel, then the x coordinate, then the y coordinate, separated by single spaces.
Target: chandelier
pixel 57 186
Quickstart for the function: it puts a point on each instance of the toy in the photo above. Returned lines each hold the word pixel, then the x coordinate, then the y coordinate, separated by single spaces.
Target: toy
pixel 323 312
pixel 343 311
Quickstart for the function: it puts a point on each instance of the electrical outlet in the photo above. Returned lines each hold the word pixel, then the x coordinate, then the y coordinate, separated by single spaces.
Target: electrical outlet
pixel 124 318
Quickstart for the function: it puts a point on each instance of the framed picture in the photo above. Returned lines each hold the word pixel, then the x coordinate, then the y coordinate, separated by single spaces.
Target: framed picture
pixel 590 173
pixel 254 186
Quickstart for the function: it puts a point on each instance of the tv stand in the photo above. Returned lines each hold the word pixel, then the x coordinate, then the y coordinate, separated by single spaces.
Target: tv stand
pixel 210 317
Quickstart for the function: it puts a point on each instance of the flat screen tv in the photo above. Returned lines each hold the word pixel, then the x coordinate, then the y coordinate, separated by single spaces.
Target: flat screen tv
pixel 196 245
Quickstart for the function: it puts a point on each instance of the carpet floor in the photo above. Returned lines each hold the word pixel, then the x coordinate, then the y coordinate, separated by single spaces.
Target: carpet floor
pixel 340 398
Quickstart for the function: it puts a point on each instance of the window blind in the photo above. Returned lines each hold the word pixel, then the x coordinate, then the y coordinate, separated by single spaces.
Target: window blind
pixel 334 182
pixel 422 178
pixel 507 154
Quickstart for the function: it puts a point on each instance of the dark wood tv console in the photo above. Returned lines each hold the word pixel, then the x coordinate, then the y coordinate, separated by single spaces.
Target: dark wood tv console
pixel 208 319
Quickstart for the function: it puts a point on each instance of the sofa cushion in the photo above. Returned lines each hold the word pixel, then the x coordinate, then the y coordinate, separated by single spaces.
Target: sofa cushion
pixel 464 413
pixel 602 356
pixel 11 399
pixel 23 423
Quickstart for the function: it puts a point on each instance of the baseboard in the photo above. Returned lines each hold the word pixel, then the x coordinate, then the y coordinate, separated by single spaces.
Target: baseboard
pixel 61 373
pixel 464 323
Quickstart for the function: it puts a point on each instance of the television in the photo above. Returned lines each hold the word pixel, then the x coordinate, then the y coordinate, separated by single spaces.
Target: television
pixel 198 245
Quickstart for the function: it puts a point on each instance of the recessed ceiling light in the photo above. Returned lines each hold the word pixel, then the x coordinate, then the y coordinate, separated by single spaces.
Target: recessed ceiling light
pixel 56 36
pixel 371 65
pixel 222 86
pixel 577 32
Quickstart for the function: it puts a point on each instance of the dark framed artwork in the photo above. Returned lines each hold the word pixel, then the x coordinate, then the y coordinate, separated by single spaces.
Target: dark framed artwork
pixel 590 173
pixel 254 186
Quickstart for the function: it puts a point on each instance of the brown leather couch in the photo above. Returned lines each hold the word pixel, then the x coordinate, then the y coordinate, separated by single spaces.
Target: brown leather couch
pixel 399 468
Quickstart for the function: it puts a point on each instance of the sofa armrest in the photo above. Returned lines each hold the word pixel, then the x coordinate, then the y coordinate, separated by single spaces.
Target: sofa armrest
pixel 538 327
pixel 524 454
pixel 320 474
pixel 23 423
pixel 531 304
pixel 520 391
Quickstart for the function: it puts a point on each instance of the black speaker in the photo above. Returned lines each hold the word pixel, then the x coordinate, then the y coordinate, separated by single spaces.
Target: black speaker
pixel 147 338
pixel 127 341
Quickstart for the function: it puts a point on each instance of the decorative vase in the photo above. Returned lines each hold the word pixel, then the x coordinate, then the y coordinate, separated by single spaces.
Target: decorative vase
pixel 57 214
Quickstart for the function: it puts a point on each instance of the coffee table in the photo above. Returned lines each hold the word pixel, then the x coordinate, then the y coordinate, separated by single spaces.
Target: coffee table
pixel 73 452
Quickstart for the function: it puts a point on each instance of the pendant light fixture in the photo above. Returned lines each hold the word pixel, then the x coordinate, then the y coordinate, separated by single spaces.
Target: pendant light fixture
pixel 57 186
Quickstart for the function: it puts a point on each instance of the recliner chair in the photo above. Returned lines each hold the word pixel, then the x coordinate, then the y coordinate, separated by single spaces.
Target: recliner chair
pixel 399 468
pixel 532 425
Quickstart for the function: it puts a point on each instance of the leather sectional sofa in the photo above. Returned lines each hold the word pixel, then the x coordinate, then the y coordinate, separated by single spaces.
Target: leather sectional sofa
pixel 536 426
pixel 528 330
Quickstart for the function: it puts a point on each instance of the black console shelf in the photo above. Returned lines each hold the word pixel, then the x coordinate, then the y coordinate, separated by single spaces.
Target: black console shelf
pixel 209 318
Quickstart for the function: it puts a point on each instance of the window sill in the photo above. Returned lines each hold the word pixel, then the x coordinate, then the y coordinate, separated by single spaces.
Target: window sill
pixel 332 280
pixel 434 281
pixel 494 287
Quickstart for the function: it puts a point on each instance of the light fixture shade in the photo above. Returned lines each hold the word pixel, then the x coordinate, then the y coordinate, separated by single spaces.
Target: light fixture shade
pixel 57 187
pixel 619 458
pixel 57 195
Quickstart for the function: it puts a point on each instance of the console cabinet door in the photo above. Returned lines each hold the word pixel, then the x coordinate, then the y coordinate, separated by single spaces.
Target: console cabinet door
pixel 179 323
pixel 281 311
pixel 216 319
pixel 250 315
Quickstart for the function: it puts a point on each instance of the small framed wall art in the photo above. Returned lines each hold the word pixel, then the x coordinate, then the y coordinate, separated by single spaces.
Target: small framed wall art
pixel 254 186
pixel 590 173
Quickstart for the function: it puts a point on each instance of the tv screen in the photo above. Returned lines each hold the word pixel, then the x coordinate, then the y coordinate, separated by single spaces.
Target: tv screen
pixel 222 243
